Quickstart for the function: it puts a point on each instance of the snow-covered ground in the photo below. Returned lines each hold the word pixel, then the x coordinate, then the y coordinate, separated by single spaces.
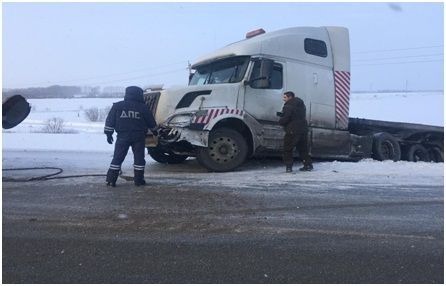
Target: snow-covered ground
pixel 85 136
pixel 419 107
pixel 412 107
pixel 82 134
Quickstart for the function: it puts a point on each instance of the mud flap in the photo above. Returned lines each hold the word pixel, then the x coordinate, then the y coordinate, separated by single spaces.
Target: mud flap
pixel 361 146
pixel 327 143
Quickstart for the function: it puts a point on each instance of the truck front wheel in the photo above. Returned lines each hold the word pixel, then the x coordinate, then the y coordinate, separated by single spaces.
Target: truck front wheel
pixel 227 149
pixel 164 157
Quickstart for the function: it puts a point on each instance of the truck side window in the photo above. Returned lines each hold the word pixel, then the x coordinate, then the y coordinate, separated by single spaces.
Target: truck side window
pixel 276 80
pixel 315 47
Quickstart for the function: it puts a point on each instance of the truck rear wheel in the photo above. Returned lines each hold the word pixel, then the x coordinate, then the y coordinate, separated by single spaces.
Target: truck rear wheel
pixel 385 147
pixel 435 154
pixel 227 149
pixel 164 157
pixel 417 153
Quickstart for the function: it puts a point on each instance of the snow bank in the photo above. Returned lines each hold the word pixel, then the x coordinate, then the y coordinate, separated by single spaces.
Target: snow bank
pixel 338 175
pixel 94 142
pixel 256 175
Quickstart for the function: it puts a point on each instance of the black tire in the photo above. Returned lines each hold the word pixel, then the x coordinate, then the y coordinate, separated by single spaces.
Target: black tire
pixel 227 149
pixel 435 154
pixel 163 157
pixel 385 147
pixel 417 153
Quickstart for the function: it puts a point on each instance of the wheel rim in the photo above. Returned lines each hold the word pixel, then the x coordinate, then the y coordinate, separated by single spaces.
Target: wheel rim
pixel 387 150
pixel 418 156
pixel 223 149
pixel 435 155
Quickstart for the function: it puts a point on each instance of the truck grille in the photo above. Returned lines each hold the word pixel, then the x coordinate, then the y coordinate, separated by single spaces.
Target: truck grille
pixel 151 100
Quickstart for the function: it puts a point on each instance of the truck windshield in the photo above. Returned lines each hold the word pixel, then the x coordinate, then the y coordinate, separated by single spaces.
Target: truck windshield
pixel 228 70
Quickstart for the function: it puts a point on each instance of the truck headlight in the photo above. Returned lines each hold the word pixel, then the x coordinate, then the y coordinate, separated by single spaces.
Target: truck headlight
pixel 181 120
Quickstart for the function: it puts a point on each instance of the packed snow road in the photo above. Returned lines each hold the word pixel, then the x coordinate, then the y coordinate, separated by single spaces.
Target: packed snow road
pixel 366 222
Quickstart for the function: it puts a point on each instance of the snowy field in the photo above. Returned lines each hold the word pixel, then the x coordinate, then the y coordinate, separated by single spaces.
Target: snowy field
pixel 86 136
pixel 421 107
pixel 411 107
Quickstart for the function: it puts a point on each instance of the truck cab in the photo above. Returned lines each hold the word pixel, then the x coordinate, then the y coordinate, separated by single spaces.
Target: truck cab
pixel 228 112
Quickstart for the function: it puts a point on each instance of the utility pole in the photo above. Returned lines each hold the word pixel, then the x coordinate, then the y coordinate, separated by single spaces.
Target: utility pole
pixel 189 67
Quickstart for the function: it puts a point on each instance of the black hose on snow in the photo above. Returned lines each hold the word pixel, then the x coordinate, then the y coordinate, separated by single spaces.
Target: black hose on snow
pixel 46 177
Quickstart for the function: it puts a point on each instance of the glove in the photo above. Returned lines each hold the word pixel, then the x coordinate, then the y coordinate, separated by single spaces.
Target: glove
pixel 110 139
pixel 155 130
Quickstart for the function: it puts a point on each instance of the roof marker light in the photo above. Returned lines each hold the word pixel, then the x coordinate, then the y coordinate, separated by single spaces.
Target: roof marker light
pixel 254 33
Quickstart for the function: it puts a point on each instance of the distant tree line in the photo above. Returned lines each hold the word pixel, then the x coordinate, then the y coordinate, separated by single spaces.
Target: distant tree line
pixel 58 91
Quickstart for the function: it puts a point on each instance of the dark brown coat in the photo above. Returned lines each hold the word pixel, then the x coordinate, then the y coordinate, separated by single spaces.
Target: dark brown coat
pixel 293 117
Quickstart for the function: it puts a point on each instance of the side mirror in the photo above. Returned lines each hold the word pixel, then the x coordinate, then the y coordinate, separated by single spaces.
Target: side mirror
pixel 266 68
pixel 14 110
pixel 265 74
pixel 191 75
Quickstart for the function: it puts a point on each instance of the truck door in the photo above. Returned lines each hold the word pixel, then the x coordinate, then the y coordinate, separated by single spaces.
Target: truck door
pixel 263 100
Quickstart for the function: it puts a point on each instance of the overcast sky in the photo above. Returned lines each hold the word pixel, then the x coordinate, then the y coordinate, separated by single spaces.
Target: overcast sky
pixel 393 46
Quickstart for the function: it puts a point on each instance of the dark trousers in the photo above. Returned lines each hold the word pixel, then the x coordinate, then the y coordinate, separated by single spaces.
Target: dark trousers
pixel 121 149
pixel 299 140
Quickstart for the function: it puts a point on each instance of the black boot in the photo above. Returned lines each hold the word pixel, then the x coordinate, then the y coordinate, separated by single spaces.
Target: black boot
pixel 307 167
pixel 112 176
pixel 139 178
pixel 289 169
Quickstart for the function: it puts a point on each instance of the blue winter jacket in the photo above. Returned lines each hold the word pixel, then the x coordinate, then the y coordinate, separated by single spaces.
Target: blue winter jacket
pixel 130 118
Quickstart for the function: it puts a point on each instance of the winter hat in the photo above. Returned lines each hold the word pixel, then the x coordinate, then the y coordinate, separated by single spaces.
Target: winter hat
pixel 134 93
pixel 134 90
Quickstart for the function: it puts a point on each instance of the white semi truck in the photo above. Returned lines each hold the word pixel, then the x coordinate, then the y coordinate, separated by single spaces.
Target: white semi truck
pixel 228 112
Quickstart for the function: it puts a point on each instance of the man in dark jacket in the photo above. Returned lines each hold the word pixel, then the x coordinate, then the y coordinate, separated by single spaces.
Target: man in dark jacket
pixel 293 119
pixel 131 118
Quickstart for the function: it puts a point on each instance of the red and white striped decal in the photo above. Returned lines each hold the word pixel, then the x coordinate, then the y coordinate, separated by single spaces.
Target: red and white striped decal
pixel 342 92
pixel 213 113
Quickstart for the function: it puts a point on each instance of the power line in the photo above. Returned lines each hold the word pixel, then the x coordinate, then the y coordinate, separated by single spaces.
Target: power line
pixel 138 77
pixel 104 76
pixel 402 57
pixel 394 63
pixel 402 49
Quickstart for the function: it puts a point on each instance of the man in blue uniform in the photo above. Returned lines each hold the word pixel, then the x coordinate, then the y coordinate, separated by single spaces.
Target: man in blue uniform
pixel 131 118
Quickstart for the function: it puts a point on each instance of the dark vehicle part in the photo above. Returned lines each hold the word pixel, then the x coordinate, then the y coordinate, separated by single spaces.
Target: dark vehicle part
pixel 435 154
pixel 417 153
pixel 189 97
pixel 385 147
pixel 15 110
pixel 227 149
pixel 151 99
pixel 406 134
pixel 162 156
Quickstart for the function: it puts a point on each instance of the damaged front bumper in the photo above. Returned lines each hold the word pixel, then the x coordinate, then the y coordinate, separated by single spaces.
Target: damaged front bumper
pixel 178 134
pixel 171 136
